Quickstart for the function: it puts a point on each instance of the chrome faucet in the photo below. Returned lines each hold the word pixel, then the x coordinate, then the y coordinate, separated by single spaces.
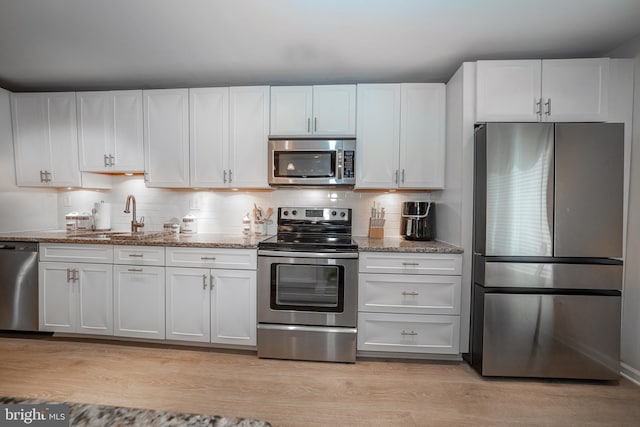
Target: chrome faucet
pixel 135 225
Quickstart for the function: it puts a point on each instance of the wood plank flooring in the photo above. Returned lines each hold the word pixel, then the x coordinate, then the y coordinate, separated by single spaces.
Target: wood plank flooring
pixel 289 393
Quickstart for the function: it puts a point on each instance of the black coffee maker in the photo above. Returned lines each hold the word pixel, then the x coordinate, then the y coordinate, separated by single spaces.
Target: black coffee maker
pixel 418 220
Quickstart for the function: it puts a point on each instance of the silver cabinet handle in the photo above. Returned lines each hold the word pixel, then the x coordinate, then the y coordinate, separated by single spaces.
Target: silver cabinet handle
pixel 548 105
pixel 136 255
pixel 208 258
pixel 412 294
pixel 47 176
pixel 204 281
pixel 41 176
pixel 135 270
pixel 146 177
pixel 211 284
pixel 106 161
pixel 411 333
pixel 538 103
pixel 315 124
pixel 403 176
pixel 308 124
pixel 410 264
pixel 112 160
pixel 224 176
pixel 230 176
pixel 68 275
pixel 396 179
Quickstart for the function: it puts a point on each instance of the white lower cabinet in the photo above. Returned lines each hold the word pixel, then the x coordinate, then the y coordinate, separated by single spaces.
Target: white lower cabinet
pixel 403 307
pixel 216 305
pixel 75 297
pixel 138 301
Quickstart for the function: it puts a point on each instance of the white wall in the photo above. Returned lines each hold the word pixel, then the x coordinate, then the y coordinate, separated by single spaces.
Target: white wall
pixel 21 209
pixel 222 211
pixel 630 348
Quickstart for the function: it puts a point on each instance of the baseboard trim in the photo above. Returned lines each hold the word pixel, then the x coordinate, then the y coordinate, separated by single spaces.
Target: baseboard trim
pixel 630 373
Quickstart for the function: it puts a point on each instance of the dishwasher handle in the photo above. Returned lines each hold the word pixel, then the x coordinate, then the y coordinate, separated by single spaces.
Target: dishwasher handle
pixel 19 246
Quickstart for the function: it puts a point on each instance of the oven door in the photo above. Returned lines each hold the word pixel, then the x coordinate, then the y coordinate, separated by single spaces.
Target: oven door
pixel 307 288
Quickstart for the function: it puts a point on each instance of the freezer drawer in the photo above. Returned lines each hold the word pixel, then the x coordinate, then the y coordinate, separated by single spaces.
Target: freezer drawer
pixel 548 275
pixel 551 335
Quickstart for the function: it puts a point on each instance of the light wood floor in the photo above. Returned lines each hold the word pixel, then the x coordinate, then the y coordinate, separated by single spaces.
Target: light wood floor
pixel 287 393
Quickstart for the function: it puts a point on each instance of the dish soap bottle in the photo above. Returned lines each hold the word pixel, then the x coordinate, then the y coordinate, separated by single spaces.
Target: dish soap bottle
pixel 246 225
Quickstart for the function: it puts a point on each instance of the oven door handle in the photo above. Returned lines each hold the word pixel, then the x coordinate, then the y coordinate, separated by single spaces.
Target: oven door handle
pixel 329 255
pixel 323 329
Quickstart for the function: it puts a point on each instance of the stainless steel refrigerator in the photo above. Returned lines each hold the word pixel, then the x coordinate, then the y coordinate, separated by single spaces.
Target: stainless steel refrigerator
pixel 547 266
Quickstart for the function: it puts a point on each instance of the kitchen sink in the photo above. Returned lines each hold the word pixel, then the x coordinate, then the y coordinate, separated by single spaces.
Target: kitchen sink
pixel 121 235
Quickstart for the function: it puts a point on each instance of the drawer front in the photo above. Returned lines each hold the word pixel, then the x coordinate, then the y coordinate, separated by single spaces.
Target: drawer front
pixel 409 293
pixel 410 333
pixel 61 252
pixel 410 263
pixel 233 259
pixel 138 255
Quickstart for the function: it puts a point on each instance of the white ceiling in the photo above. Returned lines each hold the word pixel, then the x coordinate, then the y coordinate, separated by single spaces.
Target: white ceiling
pixel 125 44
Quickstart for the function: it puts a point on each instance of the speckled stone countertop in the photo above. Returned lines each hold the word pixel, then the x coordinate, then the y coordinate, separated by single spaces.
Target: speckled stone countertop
pixel 398 244
pixel 149 238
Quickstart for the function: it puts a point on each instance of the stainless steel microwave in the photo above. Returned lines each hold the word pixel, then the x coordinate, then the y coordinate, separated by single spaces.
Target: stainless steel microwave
pixel 312 161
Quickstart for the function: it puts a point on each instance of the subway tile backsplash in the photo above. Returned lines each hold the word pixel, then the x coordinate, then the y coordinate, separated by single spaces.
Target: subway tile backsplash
pixel 222 211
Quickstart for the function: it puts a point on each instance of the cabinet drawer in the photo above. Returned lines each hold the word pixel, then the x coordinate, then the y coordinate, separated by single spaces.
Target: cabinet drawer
pixel 409 293
pixel 138 255
pixel 410 263
pixel 100 254
pixel 234 259
pixel 412 333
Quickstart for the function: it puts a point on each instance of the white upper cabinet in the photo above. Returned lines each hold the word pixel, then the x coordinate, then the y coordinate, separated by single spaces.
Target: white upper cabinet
pixel 401 140
pixel 422 136
pixel 542 90
pixel 229 130
pixel 378 141
pixel 326 110
pixel 166 137
pixel 209 136
pixel 45 139
pixel 110 131
pixel 248 136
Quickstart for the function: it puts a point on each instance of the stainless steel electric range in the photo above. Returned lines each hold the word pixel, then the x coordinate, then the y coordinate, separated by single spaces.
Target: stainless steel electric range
pixel 308 287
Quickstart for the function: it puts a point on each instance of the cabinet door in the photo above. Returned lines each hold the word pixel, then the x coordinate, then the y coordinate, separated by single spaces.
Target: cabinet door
pixel 166 137
pixel 508 91
pixel 249 133
pixel 233 307
pixel 95 130
pixel 29 114
pixel 291 110
pixel 334 110
pixel 63 137
pixel 56 297
pixel 209 136
pixel 95 299
pixel 378 120
pixel 188 304
pixel 128 142
pixel 422 139
pixel 575 90
pixel 138 301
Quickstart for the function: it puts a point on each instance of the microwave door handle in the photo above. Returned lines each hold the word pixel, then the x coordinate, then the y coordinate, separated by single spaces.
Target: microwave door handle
pixel 340 161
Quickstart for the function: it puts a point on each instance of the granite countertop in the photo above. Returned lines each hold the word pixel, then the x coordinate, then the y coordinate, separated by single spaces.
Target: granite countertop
pixel 148 238
pixel 212 240
pixel 398 244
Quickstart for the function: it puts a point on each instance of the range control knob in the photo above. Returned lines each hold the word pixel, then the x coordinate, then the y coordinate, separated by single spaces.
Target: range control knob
pixel 294 212
pixel 334 213
pixel 285 213
pixel 343 214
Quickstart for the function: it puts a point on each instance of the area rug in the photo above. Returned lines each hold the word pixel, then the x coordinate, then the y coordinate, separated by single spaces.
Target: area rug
pixel 81 414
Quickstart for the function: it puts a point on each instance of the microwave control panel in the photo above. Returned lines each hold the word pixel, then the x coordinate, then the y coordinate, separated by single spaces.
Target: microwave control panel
pixel 349 170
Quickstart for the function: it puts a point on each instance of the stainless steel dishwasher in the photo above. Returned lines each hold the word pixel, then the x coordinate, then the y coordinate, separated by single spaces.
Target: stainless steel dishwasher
pixel 19 286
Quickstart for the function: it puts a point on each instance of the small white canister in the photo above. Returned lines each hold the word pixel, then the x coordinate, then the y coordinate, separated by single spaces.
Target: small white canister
pixel 189 224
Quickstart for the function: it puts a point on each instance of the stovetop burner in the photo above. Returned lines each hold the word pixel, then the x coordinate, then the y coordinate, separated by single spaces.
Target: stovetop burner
pixel 312 230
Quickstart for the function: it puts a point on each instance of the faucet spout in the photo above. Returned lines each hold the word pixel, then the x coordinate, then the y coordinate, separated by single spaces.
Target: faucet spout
pixel 135 224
